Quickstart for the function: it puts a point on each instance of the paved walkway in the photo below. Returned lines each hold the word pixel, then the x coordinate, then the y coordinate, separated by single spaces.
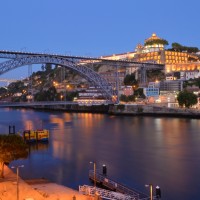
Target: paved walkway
pixel 35 190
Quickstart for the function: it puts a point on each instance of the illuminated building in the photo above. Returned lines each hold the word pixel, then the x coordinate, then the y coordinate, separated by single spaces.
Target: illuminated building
pixel 154 50
pixel 122 56
pixel 91 96
pixel 151 92
pixel 176 85
pixel 128 90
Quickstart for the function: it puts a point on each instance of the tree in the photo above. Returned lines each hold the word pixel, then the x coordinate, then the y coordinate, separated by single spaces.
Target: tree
pixel 12 147
pixel 178 47
pixel 123 98
pixel 130 79
pixel 48 67
pixel 186 99
pixel 139 93
pixel 156 41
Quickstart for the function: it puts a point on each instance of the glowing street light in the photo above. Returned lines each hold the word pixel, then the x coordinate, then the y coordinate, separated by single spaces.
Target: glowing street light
pixel 61 97
pixel 151 190
pixel 17 167
pixel 94 164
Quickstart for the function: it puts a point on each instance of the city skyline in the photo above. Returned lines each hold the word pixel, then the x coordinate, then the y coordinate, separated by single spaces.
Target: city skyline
pixel 94 29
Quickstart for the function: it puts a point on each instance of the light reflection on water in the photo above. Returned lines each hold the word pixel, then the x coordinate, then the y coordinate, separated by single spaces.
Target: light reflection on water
pixel 136 150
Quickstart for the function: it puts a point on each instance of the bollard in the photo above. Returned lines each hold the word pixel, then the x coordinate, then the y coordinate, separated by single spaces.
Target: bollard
pixel 104 170
pixel 11 129
pixel 158 192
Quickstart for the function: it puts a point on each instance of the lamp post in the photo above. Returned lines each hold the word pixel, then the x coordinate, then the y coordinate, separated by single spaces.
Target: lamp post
pixel 94 164
pixel 17 168
pixel 151 190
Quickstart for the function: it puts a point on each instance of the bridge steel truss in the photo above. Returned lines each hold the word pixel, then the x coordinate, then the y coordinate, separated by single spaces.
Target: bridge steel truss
pixel 88 73
pixel 79 64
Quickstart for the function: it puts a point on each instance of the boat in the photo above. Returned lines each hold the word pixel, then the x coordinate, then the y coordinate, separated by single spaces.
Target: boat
pixel 41 135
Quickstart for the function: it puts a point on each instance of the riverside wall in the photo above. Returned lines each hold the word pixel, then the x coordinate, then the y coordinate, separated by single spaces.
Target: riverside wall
pixel 153 110
pixel 126 109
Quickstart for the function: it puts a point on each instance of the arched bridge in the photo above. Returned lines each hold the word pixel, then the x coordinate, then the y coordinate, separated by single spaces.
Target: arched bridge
pixel 76 63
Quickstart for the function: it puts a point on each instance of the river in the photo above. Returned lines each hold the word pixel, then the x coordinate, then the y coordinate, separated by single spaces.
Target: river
pixel 136 150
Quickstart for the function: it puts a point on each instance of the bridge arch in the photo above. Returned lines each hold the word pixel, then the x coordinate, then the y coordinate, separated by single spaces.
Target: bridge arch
pixel 88 73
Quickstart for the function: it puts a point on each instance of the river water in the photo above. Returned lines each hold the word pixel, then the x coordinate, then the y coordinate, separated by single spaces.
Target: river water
pixel 136 150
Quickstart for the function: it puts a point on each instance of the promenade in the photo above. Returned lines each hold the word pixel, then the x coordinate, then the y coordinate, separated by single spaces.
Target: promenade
pixel 35 189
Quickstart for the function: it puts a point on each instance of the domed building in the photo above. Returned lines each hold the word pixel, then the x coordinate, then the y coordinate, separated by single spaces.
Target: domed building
pixel 154 43
pixel 153 51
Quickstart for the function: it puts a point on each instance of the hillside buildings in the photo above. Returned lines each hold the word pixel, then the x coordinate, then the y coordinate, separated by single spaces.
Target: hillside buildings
pixel 154 50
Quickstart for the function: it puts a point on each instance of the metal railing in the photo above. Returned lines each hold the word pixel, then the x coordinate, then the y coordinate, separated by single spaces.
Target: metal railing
pixel 118 187
pixel 105 194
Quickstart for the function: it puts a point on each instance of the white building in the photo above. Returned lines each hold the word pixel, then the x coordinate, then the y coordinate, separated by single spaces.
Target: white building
pixel 151 92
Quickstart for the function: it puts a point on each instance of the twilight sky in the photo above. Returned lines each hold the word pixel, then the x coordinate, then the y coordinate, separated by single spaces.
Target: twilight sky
pixel 94 27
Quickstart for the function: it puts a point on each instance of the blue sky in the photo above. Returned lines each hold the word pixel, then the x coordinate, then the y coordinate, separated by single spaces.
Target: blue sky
pixel 94 27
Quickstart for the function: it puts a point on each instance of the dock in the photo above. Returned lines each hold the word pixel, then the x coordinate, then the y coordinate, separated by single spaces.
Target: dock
pixel 108 183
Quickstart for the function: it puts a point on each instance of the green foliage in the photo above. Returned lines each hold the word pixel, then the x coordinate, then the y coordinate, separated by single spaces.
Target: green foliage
pixel 12 147
pixel 153 75
pixel 2 90
pixel 156 41
pixel 186 99
pixel 139 93
pixel 177 75
pixel 16 87
pixel 49 95
pixel 125 98
pixel 70 96
pixel 178 47
pixel 48 67
pixel 130 80
pixel 192 82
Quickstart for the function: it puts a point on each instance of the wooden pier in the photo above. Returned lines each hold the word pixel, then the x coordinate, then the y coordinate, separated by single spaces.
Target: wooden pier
pixel 110 184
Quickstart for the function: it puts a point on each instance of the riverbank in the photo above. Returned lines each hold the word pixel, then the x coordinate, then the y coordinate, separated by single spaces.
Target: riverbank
pixel 36 189
pixel 154 110
pixel 129 109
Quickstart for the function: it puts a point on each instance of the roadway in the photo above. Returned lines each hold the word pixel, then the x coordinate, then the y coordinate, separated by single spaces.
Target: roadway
pixel 38 103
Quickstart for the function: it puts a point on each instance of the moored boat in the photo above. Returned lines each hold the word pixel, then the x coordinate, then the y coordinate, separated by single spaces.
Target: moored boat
pixel 36 135
pixel 42 135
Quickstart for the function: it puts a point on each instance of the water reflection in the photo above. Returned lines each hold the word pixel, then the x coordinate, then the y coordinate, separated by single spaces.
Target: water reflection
pixel 136 150
pixel 38 146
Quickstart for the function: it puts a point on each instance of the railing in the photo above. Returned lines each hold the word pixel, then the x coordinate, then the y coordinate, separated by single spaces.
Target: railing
pixel 113 185
pixel 105 194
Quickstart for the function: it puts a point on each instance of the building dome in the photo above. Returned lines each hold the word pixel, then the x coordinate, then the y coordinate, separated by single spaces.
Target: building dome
pixel 154 39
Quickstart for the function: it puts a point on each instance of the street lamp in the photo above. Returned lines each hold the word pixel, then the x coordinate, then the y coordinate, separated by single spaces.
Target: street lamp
pixel 17 167
pixel 94 164
pixel 151 190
